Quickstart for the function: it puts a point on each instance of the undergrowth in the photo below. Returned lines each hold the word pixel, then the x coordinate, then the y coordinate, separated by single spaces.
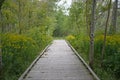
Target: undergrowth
pixel 111 62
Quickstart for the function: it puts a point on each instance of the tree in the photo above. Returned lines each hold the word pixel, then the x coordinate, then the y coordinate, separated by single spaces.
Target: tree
pixel 1 2
pixel 92 26
pixel 77 18
pixel 106 28
pixel 114 18
pixel 26 17
pixel 0 47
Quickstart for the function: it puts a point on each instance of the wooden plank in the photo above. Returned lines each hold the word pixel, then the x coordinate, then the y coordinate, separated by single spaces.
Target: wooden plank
pixel 86 65
pixel 33 63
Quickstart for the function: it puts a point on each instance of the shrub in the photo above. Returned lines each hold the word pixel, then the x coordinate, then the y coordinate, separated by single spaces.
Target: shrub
pixel 70 37
pixel 111 60
pixel 80 43
pixel 18 52
pixel 39 36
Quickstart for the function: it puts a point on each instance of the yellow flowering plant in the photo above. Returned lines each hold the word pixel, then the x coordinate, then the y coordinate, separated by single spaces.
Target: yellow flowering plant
pixel 17 52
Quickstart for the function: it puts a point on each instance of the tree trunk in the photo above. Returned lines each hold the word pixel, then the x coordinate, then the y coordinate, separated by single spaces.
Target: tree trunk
pixel 92 26
pixel 114 18
pixel 19 17
pixel 105 33
pixel 1 2
pixel 0 57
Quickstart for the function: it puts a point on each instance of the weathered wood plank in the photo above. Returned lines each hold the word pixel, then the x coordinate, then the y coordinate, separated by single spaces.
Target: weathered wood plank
pixel 59 62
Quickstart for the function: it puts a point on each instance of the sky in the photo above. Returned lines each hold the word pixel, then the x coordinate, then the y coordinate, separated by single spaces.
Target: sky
pixel 67 4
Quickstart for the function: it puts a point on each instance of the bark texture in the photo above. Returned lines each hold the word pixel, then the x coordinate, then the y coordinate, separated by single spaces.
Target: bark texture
pixel 92 26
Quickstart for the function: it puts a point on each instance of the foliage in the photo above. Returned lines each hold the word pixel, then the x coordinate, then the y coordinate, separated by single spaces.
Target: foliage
pixel 18 52
pixel 26 27
pixel 76 19
pixel 112 55
pixel 80 43
pixel 38 20
pixel 79 13
pixel 1 2
pixel 70 37
pixel 40 36
pixel 61 28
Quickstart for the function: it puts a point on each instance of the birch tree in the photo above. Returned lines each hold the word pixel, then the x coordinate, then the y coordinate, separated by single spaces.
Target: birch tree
pixel 92 26
pixel 106 28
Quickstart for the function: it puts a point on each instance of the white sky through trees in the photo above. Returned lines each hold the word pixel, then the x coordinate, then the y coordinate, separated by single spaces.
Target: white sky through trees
pixel 66 4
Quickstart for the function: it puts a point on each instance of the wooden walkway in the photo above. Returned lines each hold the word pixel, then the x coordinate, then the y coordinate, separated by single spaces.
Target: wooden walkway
pixel 59 62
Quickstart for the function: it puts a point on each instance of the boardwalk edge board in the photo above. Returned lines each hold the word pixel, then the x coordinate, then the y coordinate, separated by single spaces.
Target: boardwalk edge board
pixel 86 65
pixel 33 63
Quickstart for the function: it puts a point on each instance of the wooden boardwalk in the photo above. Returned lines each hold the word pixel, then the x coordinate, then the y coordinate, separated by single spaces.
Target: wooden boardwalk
pixel 59 62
